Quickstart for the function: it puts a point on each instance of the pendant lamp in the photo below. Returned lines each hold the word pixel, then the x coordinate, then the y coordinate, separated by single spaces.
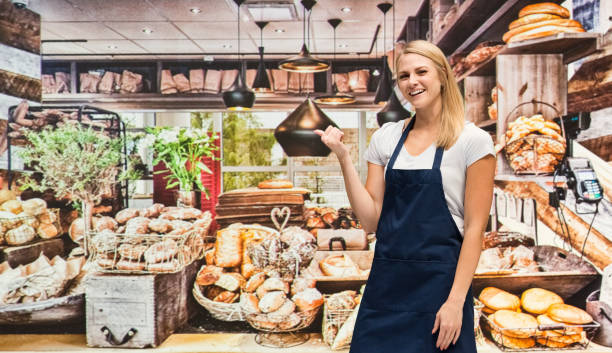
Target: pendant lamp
pixel 239 96
pixel 261 82
pixel 393 111
pixel 385 86
pixel 303 62
pixel 336 98
pixel 296 133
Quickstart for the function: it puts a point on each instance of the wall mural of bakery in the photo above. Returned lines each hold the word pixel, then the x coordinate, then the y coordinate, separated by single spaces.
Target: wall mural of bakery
pixel 253 176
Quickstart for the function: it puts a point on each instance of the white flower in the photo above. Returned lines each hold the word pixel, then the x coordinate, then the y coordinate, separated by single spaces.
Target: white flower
pixel 169 136
pixel 189 133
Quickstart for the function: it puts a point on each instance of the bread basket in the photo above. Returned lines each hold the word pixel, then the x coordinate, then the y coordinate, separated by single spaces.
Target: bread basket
pixel 293 322
pixel 534 146
pixel 220 311
pixel 20 230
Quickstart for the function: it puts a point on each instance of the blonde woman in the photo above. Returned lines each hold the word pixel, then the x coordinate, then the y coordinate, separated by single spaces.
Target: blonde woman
pixel 427 196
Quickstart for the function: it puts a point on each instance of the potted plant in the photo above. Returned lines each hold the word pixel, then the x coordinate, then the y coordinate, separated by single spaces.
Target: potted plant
pixel 181 150
pixel 76 163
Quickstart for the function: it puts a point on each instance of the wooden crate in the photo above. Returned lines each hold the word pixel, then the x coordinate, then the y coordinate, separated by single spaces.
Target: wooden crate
pixel 138 311
pixel 331 284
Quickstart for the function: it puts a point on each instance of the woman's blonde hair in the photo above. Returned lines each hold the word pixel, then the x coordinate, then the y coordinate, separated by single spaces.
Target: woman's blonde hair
pixel 452 119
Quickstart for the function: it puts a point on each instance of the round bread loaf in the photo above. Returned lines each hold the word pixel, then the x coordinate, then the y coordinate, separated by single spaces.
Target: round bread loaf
pixel 302 283
pixel 290 322
pixel 13 206
pixel 533 18
pixel 281 313
pixel 47 217
pixel 544 32
pixel 544 7
pixel 271 301
pixel 250 303
pixel 513 342
pixel 308 299
pixel 497 299
pixel 126 214
pixel 517 325
pixel 47 231
pixel 569 314
pixel 541 24
pixel 544 321
pixel 254 282
pixel 34 207
pixel 537 300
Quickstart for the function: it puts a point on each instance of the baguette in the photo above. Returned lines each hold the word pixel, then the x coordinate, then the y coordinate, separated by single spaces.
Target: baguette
pixel 533 18
pixel 544 32
pixel 545 7
pixel 275 184
pixel 540 24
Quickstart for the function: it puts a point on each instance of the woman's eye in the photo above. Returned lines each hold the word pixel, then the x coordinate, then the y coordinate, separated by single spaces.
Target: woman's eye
pixel 421 72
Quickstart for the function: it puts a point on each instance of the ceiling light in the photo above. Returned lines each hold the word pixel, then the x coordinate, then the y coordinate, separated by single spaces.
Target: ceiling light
pixel 392 112
pixel 335 98
pixel 345 9
pixel 303 62
pixel 239 96
pixel 112 47
pixel 195 10
pixel 147 30
pixel 385 86
pixel 279 30
pixel 261 82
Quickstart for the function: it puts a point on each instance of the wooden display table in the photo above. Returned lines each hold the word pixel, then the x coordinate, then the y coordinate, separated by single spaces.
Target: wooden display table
pixel 213 343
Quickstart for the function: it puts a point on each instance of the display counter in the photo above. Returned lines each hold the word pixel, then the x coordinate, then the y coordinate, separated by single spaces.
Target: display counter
pixel 217 343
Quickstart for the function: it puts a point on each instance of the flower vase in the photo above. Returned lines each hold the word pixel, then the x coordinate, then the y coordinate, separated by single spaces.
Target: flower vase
pixel 188 198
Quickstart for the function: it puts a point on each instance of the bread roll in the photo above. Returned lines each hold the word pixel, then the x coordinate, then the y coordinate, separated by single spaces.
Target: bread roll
pixel 127 265
pixel 308 299
pixel 517 325
pixel 103 223
pixel 47 231
pixel 498 299
pixel 34 207
pixel 250 303
pixel 226 297
pixel 569 314
pixel 275 184
pixel 544 7
pixel 339 266
pixel 533 18
pixel 544 321
pixel 126 214
pixel 230 281
pixel 301 284
pixel 160 226
pixel 164 267
pixel 254 282
pixel 264 322
pixel 528 27
pixel 13 206
pixel 131 252
pixel 341 301
pixel 228 248
pixel 161 251
pixel 271 301
pixel 544 32
pixel 537 300
pixel 272 284
pixel 291 321
pixel 512 342
pixel 208 274
pixel 283 311
pixel 137 225
pixel 47 217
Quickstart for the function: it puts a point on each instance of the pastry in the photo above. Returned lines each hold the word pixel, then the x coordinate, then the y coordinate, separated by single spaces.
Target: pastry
pixel 250 303
pixel 103 223
pixel 34 207
pixel 228 248
pixel 537 300
pixel 230 281
pixel 131 252
pixel 302 283
pixel 127 265
pixel 544 7
pixel 345 333
pixel 137 225
pixel 47 217
pixel 283 311
pixel 341 301
pixel 271 301
pixel 168 266
pixel 308 299
pixel 533 18
pixel 254 282
pixel 263 322
pixel 568 314
pixel 126 214
pixel 226 297
pixel 275 184
pixel 273 284
pixel 209 257
pixel 290 322
pixel 339 266
pixel 498 299
pixel 160 226
pixel 211 292
pixel 161 251
pixel 519 325
pixel 47 231
pixel 208 275
pixel 13 206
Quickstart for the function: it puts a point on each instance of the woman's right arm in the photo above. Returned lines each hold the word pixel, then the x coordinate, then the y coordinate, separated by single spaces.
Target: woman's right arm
pixel 366 201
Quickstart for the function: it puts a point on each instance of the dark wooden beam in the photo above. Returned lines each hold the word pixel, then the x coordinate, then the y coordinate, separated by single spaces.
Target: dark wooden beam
pixel 601 146
pixel 19 28
pixel 20 86
pixel 590 88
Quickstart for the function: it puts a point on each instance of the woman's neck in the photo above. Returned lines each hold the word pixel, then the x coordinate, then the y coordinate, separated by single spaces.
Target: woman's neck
pixel 430 116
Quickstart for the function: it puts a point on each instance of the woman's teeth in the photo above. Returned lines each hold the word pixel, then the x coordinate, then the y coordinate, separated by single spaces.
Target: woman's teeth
pixel 414 93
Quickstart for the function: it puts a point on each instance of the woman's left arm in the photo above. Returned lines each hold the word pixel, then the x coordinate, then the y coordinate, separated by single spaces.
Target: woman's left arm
pixel 477 204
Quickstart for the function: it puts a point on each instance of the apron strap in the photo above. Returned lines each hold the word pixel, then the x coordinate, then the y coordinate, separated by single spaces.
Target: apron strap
pixel 438 158
pixel 400 144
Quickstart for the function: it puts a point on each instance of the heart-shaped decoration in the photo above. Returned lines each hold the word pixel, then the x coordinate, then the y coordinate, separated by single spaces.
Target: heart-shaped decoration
pixel 280 217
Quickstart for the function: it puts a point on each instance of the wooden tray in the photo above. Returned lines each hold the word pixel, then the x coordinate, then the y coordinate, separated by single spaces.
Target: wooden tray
pixel 62 310
pixel 329 284
pixel 565 274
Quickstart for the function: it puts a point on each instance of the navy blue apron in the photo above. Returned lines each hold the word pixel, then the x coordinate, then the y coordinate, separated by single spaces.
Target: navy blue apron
pixel 417 248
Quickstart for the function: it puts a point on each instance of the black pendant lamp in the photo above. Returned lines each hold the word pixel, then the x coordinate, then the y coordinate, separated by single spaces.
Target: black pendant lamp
pixel 261 82
pixel 392 112
pixel 303 62
pixel 296 133
pixel 336 98
pixel 239 96
pixel 385 86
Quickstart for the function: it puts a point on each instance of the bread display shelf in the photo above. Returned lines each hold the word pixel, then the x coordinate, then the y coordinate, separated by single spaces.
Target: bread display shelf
pixel 61 310
pixel 486 68
pixel 572 46
pixel 567 274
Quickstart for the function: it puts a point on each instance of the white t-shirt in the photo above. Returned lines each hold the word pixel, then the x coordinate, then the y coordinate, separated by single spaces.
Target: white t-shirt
pixel 472 145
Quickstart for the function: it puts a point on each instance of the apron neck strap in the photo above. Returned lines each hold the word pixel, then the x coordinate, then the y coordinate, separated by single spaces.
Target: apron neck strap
pixel 438 158
pixel 400 145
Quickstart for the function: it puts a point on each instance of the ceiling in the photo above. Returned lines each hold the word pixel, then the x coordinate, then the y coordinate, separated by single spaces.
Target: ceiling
pixel 119 28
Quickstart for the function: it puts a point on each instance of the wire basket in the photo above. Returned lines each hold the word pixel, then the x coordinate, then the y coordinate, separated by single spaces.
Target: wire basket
pixel 272 324
pixel 220 311
pixel 542 338
pixel 535 147
pixel 333 319
pixel 144 253
pixel 20 230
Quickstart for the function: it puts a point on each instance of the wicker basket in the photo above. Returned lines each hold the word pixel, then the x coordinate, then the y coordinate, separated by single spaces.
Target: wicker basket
pixel 220 311
pixel 333 319
pixel 265 323
pixel 20 230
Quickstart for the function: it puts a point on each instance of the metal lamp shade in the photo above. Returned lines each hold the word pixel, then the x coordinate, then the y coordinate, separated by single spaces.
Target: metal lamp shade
pixel 385 85
pixel 303 63
pixel 392 112
pixel 261 81
pixel 239 97
pixel 336 99
pixel 296 133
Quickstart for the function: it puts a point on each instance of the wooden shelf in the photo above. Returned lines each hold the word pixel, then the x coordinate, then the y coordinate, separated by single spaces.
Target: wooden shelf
pixel 211 102
pixel 572 46
pixel 486 68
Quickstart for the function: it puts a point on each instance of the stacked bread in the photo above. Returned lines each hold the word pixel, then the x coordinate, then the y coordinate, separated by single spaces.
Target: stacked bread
pixel 274 304
pixel 541 20
pixel 154 239
pixel 22 221
pixel 517 330
pixel 505 260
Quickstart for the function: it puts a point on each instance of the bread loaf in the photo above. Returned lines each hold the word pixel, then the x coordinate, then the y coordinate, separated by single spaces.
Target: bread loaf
pixel 498 299
pixel 545 320
pixel 339 266
pixel 544 32
pixel 528 27
pixel 271 301
pixel 230 281
pixel 250 303
pixel 308 299
pixel 34 207
pixel 47 231
pixel 533 18
pixel 512 342
pixel 283 311
pixel 301 284
pixel 228 248
pixel 275 184
pixel 345 333
pixel 254 282
pixel 544 7
pixel 537 300
pixel 517 325
pixel 569 314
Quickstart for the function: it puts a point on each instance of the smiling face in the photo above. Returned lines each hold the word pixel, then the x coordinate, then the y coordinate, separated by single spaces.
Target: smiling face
pixel 419 81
